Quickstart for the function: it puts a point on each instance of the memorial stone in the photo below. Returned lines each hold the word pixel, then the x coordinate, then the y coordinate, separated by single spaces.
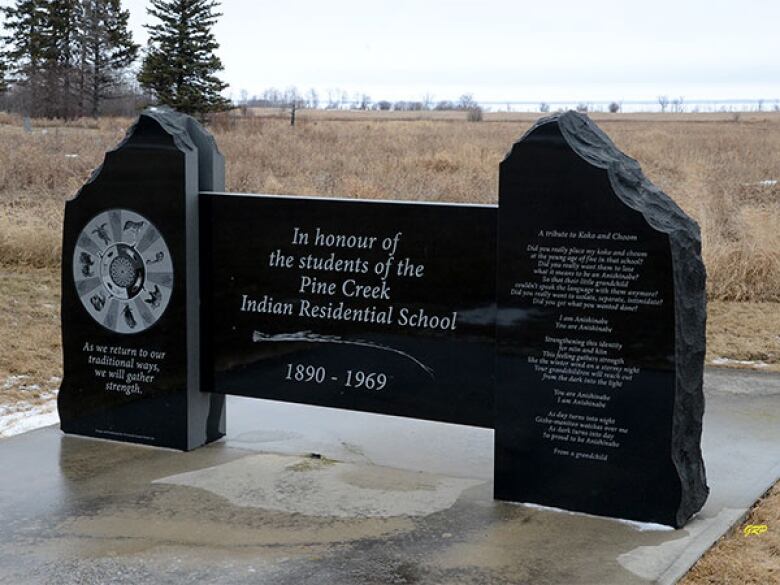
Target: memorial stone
pixel 130 286
pixel 601 296
pixel 376 306
pixel 570 318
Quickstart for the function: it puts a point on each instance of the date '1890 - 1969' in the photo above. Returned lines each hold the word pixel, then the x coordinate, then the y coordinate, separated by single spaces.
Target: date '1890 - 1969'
pixel 357 379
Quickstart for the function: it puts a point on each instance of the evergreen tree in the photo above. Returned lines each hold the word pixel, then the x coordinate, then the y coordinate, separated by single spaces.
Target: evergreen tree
pixel 25 48
pixel 3 59
pixel 180 65
pixel 106 50
pixel 3 74
pixel 3 69
pixel 64 56
pixel 60 57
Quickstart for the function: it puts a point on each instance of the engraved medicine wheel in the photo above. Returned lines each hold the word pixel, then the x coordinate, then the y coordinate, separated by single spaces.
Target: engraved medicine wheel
pixel 123 271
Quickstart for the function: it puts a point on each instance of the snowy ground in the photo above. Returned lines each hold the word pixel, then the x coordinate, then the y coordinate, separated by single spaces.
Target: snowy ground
pixel 723 361
pixel 24 416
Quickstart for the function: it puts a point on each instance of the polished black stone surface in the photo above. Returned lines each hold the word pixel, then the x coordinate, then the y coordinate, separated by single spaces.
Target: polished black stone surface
pixel 306 318
pixel 578 334
pixel 130 291
pixel 600 332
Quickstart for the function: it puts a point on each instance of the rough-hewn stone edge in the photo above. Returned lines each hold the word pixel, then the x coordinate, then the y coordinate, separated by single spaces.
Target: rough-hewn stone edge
pixel 690 303
pixel 171 122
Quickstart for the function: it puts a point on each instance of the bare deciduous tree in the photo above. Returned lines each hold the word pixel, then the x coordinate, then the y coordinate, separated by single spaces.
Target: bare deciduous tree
pixel 334 99
pixel 312 98
pixel 467 102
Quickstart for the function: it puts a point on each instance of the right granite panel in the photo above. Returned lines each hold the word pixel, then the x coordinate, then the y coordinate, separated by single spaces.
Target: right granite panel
pixel 601 332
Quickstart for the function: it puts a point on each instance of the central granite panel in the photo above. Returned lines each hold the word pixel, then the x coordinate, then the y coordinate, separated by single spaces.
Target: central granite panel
pixel 383 307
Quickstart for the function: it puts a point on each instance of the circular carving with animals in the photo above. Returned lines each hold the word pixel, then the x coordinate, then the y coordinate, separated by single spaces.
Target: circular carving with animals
pixel 122 270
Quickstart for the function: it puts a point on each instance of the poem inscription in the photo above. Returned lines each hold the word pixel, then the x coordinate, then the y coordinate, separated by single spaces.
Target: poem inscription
pixel 585 281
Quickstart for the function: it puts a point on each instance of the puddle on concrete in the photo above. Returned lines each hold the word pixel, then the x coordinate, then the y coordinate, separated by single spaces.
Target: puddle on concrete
pixel 522 543
pixel 299 485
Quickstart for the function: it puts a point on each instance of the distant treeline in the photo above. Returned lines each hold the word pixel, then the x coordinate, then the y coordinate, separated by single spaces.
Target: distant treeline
pixel 337 99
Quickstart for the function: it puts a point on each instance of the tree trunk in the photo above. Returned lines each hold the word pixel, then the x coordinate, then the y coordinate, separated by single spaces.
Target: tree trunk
pixel 82 78
pixel 96 81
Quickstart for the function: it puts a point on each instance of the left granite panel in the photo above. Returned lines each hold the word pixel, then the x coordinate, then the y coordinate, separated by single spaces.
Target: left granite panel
pixel 130 290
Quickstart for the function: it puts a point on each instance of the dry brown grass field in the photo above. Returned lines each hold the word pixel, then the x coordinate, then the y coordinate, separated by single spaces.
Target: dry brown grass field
pixel 721 168
pixel 721 171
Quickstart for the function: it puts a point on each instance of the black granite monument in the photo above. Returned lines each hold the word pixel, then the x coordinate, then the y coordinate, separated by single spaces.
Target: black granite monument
pixel 376 306
pixel 570 318
pixel 130 287
pixel 601 332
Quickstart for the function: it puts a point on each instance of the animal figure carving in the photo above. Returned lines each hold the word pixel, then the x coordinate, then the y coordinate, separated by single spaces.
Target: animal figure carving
pixel 98 301
pixel 133 226
pixel 86 264
pixel 157 258
pixel 155 297
pixel 129 317
pixel 102 233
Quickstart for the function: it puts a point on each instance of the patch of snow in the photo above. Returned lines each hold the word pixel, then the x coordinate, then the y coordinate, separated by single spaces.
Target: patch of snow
pixel 11 381
pixel 23 416
pixel 636 525
pixel 723 361
pixel 764 183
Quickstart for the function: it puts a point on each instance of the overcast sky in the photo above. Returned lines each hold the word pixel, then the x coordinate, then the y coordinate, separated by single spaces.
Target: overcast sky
pixel 501 50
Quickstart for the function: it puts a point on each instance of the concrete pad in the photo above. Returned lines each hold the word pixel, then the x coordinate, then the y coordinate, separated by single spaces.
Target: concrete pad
pixel 389 500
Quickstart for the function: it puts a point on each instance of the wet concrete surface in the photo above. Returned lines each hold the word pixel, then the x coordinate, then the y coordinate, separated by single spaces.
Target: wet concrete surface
pixel 390 501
